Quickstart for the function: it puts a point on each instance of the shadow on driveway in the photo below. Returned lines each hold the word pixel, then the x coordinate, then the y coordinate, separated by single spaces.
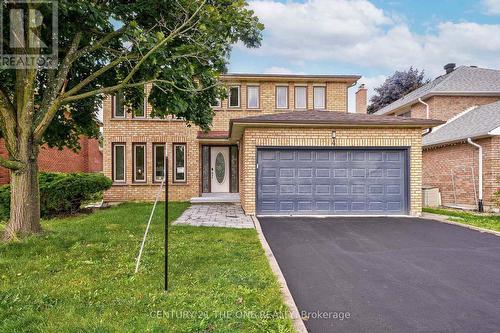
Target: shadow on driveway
pixel 378 274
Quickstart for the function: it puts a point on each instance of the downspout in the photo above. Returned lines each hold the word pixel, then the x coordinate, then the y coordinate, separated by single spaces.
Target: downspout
pixel 480 207
pixel 426 108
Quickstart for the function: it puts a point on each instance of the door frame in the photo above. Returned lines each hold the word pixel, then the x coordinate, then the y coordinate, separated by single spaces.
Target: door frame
pixel 210 161
pixel 406 149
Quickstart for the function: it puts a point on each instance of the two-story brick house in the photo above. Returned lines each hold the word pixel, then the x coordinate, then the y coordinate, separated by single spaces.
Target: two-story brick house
pixel 467 98
pixel 284 143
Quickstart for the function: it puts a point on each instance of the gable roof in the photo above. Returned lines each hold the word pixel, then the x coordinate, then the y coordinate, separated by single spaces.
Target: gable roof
pixel 479 122
pixel 337 118
pixel 464 80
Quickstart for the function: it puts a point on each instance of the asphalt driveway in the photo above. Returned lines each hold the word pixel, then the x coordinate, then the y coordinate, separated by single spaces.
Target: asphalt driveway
pixel 383 274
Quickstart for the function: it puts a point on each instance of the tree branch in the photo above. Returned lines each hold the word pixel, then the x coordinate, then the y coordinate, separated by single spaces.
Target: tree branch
pixel 11 164
pixel 98 44
pixel 50 103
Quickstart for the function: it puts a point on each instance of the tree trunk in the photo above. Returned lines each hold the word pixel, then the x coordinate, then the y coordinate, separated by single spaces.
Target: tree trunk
pixel 24 200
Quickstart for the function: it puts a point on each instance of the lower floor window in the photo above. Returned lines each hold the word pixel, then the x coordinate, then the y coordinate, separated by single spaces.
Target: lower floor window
pixel 159 162
pixel 119 162
pixel 179 162
pixel 140 162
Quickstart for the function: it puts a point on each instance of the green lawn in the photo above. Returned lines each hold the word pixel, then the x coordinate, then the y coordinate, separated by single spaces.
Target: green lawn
pixel 78 277
pixel 491 222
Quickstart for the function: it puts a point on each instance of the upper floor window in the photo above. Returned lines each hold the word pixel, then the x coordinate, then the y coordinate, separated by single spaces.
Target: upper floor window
pixel 234 97
pixel 179 162
pixel 159 162
pixel 300 97
pixel 282 97
pixel 319 97
pixel 217 104
pixel 118 105
pixel 119 162
pixel 140 111
pixel 253 97
pixel 139 162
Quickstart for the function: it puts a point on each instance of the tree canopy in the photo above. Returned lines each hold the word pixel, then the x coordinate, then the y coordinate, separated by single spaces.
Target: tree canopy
pixel 396 86
pixel 178 48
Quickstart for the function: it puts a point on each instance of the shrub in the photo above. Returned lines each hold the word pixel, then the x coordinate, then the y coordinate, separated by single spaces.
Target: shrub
pixel 61 193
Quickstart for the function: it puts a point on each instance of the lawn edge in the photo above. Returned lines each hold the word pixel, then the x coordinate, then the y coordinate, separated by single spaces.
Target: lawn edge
pixel 444 219
pixel 285 292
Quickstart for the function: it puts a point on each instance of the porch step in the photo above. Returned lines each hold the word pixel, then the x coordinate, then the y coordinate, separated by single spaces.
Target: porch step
pixel 216 198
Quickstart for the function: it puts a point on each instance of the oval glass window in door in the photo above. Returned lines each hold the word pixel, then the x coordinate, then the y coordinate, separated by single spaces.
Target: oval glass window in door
pixel 220 168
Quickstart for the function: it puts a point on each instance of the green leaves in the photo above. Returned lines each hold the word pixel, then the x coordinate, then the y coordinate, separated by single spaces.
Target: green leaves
pixel 195 38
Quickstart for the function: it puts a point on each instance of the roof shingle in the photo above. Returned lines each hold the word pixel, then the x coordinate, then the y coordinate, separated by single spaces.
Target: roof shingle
pixel 464 79
pixel 337 118
pixel 472 124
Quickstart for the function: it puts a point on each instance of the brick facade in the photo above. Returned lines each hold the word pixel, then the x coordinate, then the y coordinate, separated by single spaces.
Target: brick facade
pixel 321 137
pixel 454 169
pixel 132 130
pixel 88 159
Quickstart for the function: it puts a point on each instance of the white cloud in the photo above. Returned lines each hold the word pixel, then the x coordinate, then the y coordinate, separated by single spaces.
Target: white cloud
pixel 492 7
pixel 359 33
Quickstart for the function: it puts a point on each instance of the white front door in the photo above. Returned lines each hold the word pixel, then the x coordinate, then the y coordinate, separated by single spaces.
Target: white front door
pixel 219 166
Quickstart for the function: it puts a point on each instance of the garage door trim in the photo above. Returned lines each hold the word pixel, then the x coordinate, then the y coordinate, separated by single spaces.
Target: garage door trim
pixel 405 149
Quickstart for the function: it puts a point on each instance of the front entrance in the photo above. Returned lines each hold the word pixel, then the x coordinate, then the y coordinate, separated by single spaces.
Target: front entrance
pixel 219 168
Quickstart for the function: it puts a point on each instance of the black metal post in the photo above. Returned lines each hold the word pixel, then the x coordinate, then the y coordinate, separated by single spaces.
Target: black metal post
pixel 166 223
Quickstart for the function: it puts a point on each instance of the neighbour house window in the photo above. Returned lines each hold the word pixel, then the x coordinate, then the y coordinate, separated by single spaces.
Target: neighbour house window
pixel 282 97
pixel 319 97
pixel 234 97
pixel 119 162
pixel 301 97
pixel 179 162
pixel 139 162
pixel 253 97
pixel 118 105
pixel 159 162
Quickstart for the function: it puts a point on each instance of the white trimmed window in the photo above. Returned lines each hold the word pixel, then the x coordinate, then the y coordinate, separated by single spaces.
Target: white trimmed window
pixel 159 151
pixel 300 97
pixel 282 97
pixel 319 97
pixel 179 162
pixel 139 162
pixel 234 97
pixel 253 93
pixel 119 162
pixel 118 105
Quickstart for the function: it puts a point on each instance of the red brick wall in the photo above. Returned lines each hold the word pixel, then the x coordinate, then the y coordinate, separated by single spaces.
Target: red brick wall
pixel 445 107
pixel 462 160
pixel 88 159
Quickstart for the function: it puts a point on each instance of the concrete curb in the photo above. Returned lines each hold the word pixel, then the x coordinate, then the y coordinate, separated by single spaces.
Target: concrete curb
pixel 444 219
pixel 288 298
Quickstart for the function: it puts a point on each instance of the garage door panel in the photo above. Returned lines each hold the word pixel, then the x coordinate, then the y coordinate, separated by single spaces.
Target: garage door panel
pixel 331 181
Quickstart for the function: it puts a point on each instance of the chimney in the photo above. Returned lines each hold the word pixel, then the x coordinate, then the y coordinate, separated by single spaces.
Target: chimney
pixel 361 99
pixel 449 67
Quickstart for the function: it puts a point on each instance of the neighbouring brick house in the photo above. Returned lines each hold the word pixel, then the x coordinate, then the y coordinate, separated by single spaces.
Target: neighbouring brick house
pixel 284 144
pixel 467 98
pixel 88 159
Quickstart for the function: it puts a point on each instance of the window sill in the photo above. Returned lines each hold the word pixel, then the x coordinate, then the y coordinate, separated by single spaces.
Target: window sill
pixel 179 183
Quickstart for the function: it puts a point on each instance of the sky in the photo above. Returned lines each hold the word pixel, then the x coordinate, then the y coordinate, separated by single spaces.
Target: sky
pixel 371 38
